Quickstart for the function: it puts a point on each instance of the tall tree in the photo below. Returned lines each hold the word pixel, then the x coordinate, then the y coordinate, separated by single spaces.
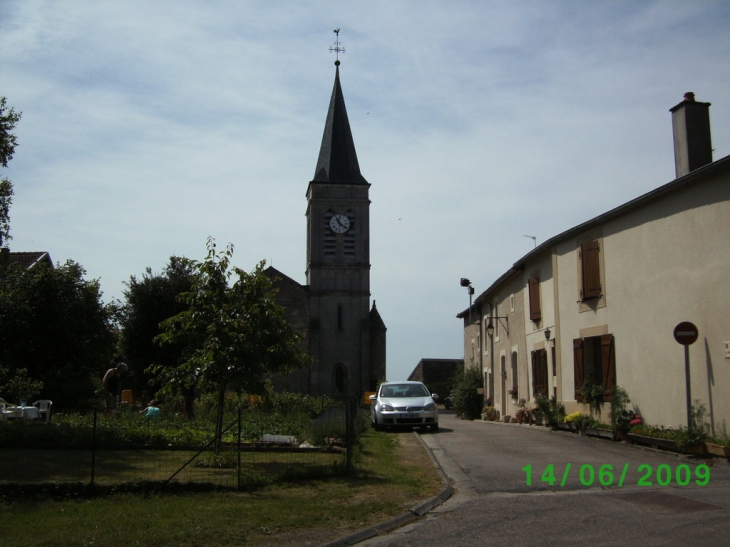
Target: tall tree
pixel 54 325
pixel 8 119
pixel 150 300
pixel 237 332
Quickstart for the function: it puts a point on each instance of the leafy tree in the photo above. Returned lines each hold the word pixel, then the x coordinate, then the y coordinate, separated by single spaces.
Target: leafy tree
pixel 54 325
pixel 8 119
pixel 150 300
pixel 235 335
pixel 464 395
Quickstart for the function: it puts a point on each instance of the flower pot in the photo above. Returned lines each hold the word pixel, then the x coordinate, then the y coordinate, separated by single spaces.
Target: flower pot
pixel 601 433
pixel 718 450
pixel 654 442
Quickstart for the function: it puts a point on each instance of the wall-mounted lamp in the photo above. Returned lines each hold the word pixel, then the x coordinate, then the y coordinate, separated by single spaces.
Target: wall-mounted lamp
pixel 490 325
pixel 547 333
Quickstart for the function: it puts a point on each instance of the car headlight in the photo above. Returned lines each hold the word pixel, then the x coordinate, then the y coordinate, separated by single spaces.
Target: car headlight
pixel 430 406
pixel 386 408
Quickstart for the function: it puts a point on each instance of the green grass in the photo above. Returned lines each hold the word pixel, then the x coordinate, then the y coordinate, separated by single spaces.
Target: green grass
pixel 392 474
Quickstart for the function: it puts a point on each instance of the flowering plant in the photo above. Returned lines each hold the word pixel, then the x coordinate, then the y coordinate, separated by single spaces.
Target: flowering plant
pixel 513 392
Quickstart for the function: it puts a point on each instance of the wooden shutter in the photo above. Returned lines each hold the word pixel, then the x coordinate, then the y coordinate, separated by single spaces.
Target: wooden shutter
pixel 533 285
pixel 578 367
pixel 590 270
pixel 608 366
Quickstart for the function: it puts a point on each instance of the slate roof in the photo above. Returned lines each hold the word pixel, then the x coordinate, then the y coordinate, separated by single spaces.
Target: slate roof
pixel 337 162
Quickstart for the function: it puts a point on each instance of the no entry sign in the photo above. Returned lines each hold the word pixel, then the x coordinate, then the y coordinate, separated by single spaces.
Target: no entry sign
pixel 685 333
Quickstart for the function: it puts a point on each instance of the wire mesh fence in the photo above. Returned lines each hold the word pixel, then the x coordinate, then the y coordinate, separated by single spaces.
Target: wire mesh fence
pixel 256 447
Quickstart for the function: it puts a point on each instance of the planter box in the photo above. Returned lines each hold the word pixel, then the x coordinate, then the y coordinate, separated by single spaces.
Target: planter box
pixel 654 442
pixel 567 427
pixel 507 419
pixel 718 450
pixel 602 433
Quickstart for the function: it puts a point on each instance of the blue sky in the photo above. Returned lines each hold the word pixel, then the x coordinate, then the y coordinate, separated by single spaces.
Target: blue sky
pixel 149 126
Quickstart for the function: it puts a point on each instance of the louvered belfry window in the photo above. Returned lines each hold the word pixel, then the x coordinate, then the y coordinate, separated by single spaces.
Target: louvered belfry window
pixel 330 240
pixel 590 270
pixel 349 244
pixel 534 290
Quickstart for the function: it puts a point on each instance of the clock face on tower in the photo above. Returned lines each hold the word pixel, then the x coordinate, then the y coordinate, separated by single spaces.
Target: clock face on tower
pixel 339 224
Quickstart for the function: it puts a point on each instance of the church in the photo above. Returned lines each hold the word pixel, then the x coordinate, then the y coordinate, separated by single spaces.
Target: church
pixel 343 333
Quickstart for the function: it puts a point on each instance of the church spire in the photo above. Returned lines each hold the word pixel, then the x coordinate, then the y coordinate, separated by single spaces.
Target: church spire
pixel 337 162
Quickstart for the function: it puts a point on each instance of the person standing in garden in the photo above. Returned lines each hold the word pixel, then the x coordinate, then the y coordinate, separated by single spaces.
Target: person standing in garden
pixel 113 385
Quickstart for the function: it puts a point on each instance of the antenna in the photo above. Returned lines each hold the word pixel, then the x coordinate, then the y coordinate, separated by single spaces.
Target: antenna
pixel 337 48
pixel 534 239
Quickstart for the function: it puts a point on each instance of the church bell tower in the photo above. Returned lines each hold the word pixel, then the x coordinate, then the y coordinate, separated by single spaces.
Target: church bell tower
pixel 346 335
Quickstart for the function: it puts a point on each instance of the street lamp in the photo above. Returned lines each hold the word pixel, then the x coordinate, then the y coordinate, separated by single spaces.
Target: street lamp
pixel 466 283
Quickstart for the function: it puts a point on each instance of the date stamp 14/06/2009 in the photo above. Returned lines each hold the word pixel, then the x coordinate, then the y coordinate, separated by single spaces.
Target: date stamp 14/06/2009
pixel 605 475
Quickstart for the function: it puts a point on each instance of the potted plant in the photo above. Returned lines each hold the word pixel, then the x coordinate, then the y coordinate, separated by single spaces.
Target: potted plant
pixel 592 394
pixel 522 413
pixel 513 393
pixel 489 413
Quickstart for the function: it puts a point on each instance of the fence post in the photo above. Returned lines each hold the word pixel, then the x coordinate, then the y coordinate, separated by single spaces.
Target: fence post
pixel 239 447
pixel 93 448
pixel 350 428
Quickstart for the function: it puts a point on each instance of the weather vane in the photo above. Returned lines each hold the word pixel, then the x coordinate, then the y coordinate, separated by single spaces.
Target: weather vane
pixel 337 48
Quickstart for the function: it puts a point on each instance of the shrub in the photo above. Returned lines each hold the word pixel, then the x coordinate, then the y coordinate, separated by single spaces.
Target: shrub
pixel 552 410
pixel 467 401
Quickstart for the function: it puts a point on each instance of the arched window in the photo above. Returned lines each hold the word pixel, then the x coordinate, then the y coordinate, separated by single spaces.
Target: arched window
pixel 340 378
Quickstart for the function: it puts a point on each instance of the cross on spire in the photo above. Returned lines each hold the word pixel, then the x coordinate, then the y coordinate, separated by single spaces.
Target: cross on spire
pixel 337 48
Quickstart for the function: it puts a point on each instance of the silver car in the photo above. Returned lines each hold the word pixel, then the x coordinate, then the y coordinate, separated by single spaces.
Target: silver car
pixel 404 404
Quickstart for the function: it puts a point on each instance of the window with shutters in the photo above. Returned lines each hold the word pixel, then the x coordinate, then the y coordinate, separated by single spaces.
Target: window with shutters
pixel 540 373
pixel 590 268
pixel 533 285
pixel 594 361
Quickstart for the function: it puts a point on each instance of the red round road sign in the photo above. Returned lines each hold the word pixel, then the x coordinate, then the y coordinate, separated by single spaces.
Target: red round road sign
pixel 685 333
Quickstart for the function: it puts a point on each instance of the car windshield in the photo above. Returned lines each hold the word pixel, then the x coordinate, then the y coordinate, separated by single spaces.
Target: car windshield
pixel 404 390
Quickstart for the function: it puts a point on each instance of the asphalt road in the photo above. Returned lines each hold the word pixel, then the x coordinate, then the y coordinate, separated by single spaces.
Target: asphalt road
pixel 686 503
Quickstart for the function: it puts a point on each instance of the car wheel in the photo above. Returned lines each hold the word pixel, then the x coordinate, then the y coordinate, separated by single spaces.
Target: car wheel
pixel 376 426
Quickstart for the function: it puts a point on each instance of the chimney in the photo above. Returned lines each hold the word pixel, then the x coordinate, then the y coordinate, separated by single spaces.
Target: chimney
pixel 692 141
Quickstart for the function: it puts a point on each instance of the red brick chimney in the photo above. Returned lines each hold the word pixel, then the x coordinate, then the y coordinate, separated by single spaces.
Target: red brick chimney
pixel 692 140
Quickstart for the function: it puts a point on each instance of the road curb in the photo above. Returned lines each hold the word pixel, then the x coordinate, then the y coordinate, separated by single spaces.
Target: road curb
pixel 413 514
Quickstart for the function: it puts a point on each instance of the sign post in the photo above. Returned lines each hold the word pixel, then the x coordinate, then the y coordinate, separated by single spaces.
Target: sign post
pixel 686 334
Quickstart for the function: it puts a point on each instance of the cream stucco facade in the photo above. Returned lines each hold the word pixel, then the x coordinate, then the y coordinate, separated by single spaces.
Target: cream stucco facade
pixel 603 299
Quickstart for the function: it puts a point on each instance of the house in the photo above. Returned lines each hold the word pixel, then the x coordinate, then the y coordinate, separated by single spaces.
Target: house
pixel 437 374
pixel 25 260
pixel 602 299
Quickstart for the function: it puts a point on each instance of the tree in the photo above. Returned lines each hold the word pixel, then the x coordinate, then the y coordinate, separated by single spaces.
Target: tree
pixel 235 334
pixel 54 325
pixel 8 119
pixel 465 395
pixel 150 300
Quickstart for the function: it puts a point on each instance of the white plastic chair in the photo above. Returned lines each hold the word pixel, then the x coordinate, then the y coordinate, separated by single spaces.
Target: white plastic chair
pixel 7 410
pixel 44 407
